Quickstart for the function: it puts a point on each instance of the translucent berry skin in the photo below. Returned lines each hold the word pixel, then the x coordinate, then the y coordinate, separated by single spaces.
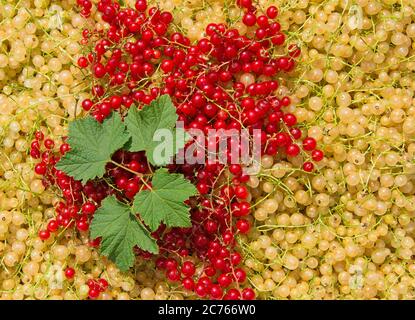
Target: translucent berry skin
pixel 309 144
pixel 292 150
pixel 93 294
pixel 69 273
pixel 308 166
pixel 44 234
pixel 249 19
pixel 317 155
pixel 272 12
pixel 248 294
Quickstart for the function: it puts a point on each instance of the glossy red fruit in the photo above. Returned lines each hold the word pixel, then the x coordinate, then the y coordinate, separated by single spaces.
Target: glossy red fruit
pixel 200 290
pixel 232 294
pixel 248 294
pixel 240 275
pixel 235 169
pixel 242 225
pixel 317 155
pixel 188 268
pixel 93 294
pixel 167 66
pixel 173 275
pixel 296 133
pixel 308 166
pixel 236 258
pixel 39 135
pixel 83 62
pixel 224 280
pixel 272 12
pixel 188 283
pixel 292 150
pixel 44 234
pixel 82 225
pixel 249 19
pixel 64 148
pixel 87 104
pixel 99 70
pixel 141 5
pixel 202 187
pixel 241 192
pixel 290 119
pixel 40 168
pixel 309 144
pixel 49 144
pixel 53 225
pixel 69 273
pixel 103 284
pixel 216 291
pixel 88 208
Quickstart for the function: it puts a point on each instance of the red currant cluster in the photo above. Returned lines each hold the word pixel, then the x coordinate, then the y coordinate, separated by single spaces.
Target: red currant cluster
pixel 141 56
pixel 86 6
pixel 96 287
pixel 72 210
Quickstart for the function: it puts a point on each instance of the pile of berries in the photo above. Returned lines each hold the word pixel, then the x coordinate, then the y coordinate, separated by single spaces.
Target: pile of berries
pixel 140 57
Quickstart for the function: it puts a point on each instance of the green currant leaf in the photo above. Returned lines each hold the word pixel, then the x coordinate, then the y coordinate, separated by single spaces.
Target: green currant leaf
pixel 121 232
pixel 92 145
pixel 152 130
pixel 164 202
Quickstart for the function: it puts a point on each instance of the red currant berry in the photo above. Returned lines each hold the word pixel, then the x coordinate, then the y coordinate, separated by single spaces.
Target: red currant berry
pixel 64 148
pixel 188 268
pixel 296 133
pixel 292 150
pixel 285 101
pixel 241 192
pixel 141 5
pixel 83 62
pixel 240 275
pixel 272 12
pixel 103 284
pixel 82 225
pixel 69 273
pixel 224 280
pixel 39 135
pixel 232 294
pixel 317 155
pixel 249 19
pixel 167 66
pixel 290 119
pixel 236 258
pixel 243 226
pixel 200 290
pixel 248 294
pixel 53 225
pixel 309 144
pixel 202 187
pixel 49 144
pixel 188 283
pixel 235 169
pixel 40 168
pixel 44 234
pixel 87 104
pixel 93 294
pixel 173 275
pixel 216 291
pixel 308 166
pixel 88 208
